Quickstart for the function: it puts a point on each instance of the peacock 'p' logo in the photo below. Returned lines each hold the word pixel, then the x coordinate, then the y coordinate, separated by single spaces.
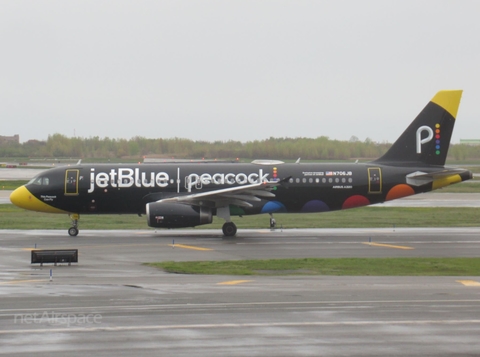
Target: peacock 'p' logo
pixel 424 140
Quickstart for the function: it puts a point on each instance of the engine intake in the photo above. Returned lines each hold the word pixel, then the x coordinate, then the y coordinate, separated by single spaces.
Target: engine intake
pixel 175 215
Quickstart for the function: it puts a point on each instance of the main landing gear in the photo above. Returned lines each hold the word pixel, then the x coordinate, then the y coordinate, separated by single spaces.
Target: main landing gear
pixel 73 231
pixel 229 229
pixel 273 223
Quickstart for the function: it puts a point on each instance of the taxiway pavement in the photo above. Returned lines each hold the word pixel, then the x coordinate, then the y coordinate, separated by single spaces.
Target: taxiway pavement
pixel 111 304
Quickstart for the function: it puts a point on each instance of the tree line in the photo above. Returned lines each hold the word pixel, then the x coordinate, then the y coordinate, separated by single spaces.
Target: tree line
pixel 320 148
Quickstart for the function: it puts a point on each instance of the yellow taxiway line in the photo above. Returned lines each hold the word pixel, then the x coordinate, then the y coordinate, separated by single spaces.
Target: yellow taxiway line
pixel 388 245
pixel 188 247
pixel 21 281
pixel 468 282
pixel 234 282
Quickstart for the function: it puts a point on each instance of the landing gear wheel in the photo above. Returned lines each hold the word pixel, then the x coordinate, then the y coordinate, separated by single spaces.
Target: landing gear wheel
pixel 73 230
pixel 229 229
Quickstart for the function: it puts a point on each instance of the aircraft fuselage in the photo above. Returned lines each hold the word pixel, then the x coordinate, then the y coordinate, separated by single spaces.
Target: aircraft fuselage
pixel 175 195
pixel 308 187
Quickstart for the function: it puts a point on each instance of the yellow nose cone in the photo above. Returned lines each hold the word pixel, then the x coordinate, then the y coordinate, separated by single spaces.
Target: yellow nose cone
pixel 23 198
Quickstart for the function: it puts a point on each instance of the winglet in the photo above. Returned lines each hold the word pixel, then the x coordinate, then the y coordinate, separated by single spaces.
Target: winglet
pixel 448 100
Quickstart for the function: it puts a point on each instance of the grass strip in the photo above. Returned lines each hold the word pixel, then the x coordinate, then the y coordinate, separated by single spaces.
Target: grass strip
pixel 11 184
pixel 12 217
pixel 329 266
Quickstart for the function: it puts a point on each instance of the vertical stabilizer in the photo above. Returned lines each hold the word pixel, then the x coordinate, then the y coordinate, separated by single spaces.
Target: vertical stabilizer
pixel 426 140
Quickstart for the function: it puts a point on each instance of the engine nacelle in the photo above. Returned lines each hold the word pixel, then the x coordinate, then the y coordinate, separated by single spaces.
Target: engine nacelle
pixel 176 215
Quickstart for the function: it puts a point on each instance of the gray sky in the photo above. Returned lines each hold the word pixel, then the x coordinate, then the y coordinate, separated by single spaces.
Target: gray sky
pixel 234 70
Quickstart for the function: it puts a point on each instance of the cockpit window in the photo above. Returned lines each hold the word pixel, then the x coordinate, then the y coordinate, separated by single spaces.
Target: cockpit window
pixel 44 181
pixel 37 181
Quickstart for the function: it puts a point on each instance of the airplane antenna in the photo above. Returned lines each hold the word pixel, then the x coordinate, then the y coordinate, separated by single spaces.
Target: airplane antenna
pixel 298 160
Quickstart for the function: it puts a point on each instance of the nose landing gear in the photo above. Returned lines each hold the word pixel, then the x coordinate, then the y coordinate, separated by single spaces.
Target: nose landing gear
pixel 73 231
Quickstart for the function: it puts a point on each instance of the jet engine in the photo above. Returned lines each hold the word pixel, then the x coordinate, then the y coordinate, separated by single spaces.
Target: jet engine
pixel 175 215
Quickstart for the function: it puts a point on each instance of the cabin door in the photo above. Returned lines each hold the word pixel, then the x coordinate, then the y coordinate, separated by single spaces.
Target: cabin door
pixel 71 182
pixel 374 180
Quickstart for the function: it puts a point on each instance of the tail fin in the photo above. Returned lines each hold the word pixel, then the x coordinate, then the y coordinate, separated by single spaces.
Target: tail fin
pixel 426 140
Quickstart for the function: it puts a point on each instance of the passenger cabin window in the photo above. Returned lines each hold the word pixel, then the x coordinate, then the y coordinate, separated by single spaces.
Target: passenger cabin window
pixel 323 180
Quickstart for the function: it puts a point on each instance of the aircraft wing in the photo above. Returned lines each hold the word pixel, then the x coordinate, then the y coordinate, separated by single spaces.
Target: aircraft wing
pixel 240 196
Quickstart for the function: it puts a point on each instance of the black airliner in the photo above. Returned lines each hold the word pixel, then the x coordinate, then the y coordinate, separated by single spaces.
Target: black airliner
pixel 176 195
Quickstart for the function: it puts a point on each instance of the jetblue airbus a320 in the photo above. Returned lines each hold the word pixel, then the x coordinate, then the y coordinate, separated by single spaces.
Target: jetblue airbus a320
pixel 175 195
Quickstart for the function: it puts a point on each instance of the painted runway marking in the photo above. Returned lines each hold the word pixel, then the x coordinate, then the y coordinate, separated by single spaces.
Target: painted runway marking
pixel 468 282
pixel 234 282
pixel 319 242
pixel 388 245
pixel 21 281
pixel 71 329
pixel 210 306
pixel 96 246
pixel 188 247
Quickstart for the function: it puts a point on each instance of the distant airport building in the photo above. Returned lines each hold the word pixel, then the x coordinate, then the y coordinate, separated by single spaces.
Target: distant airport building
pixel 10 139
pixel 473 142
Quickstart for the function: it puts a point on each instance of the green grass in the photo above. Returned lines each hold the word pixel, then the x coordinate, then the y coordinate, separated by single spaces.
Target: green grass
pixel 11 184
pixel 465 187
pixel 12 217
pixel 330 266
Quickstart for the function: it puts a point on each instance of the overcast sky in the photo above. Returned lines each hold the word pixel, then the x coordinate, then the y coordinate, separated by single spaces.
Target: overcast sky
pixel 234 70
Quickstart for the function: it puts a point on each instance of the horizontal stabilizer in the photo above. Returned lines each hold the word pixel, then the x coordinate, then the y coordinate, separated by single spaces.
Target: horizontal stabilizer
pixel 447 176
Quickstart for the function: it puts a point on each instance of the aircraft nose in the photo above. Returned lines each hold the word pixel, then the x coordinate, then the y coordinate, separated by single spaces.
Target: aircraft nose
pixel 23 198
